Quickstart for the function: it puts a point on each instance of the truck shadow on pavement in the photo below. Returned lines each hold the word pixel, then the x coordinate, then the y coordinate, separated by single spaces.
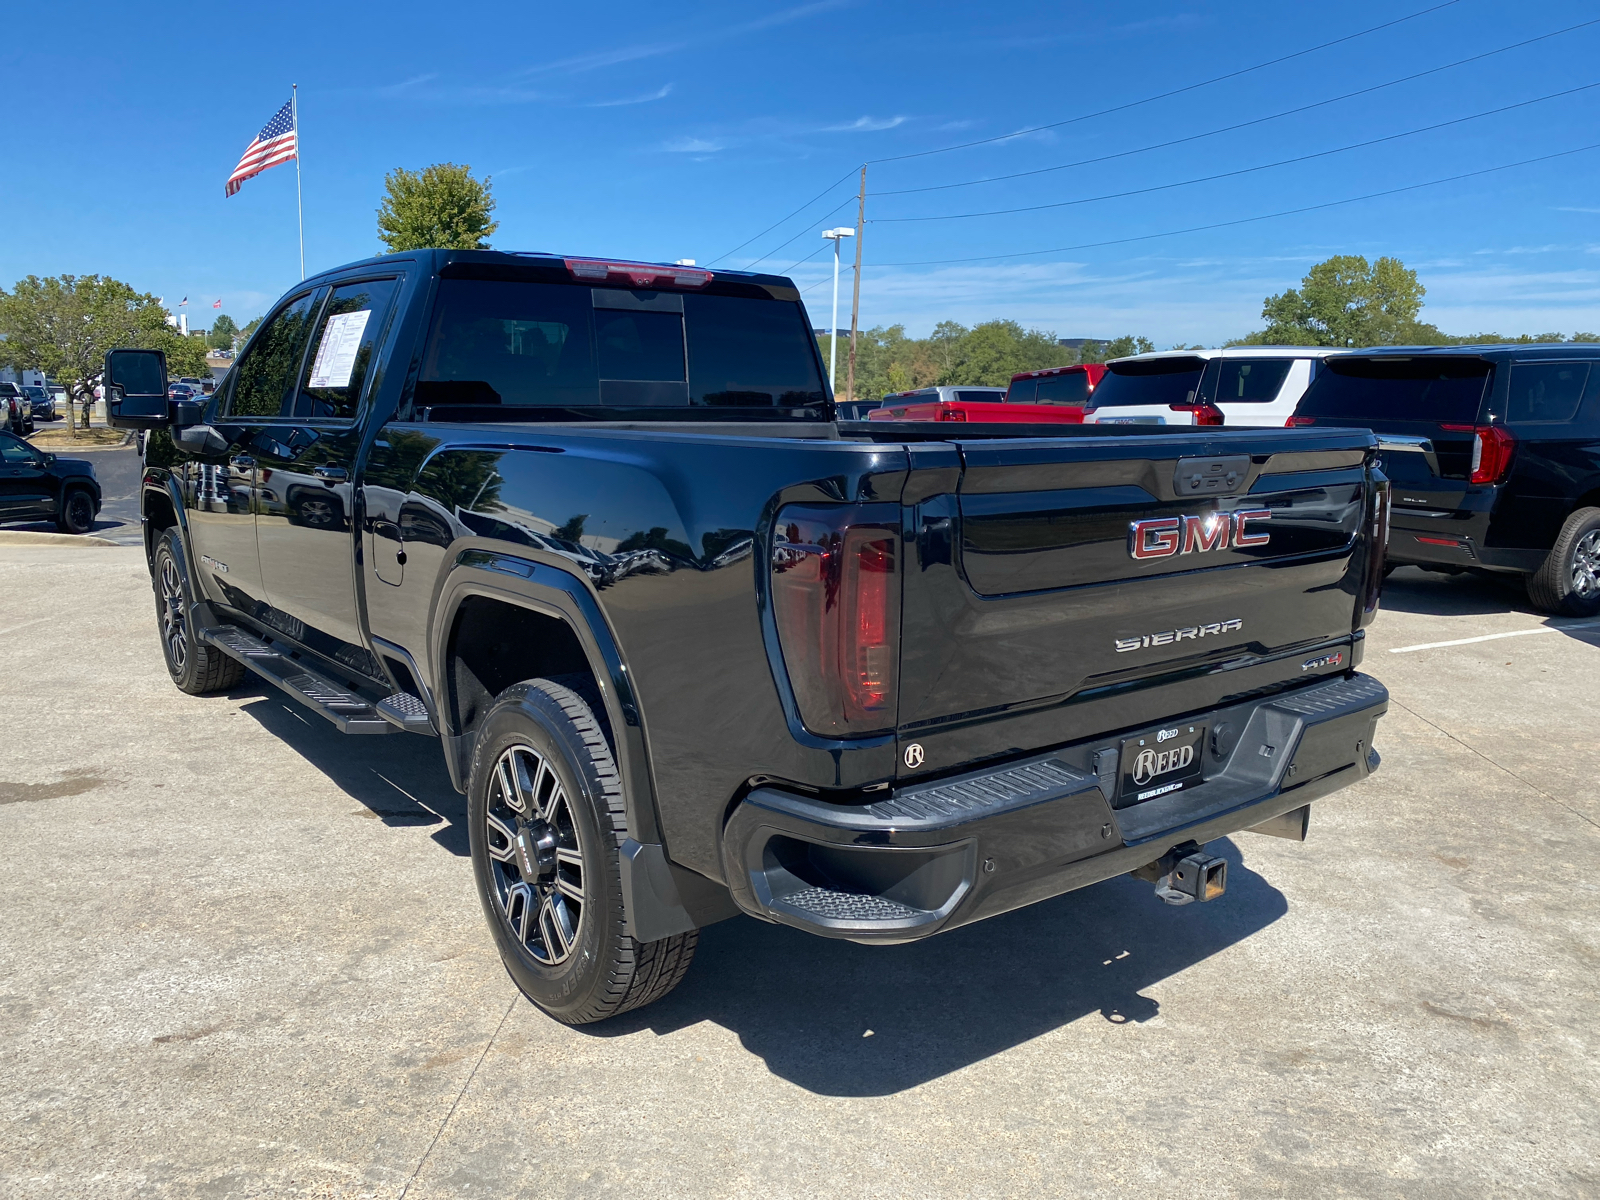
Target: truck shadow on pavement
pixel 1433 594
pixel 400 779
pixel 840 1019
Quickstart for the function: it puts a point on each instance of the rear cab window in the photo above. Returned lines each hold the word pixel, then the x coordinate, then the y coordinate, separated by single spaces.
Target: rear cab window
pixel 1072 388
pixel 501 344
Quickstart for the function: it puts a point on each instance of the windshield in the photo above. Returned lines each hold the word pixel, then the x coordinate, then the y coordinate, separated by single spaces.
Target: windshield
pixel 1442 389
pixel 550 345
pixel 1155 381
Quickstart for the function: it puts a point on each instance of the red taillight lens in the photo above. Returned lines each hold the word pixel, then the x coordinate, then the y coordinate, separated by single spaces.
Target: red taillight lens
pixel 836 602
pixel 639 275
pixel 952 414
pixel 1294 421
pixel 1204 414
pixel 1491 450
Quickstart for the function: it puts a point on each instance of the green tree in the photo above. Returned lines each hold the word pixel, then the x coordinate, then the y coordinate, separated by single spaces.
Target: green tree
pixel 64 325
pixel 1099 352
pixel 223 331
pixel 1346 301
pixel 442 207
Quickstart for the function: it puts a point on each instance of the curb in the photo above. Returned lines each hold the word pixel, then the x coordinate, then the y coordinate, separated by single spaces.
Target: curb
pixel 23 537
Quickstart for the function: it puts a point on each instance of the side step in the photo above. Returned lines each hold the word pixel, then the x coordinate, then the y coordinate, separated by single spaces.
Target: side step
pixel 408 712
pixel 350 712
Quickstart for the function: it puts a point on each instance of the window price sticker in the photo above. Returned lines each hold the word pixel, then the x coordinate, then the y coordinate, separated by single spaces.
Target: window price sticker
pixel 336 357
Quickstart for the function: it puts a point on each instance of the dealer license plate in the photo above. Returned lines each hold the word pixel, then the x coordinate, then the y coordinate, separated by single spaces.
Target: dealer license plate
pixel 1162 760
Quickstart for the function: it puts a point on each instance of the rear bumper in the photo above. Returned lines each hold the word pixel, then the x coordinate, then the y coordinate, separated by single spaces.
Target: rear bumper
pixel 1435 538
pixel 937 855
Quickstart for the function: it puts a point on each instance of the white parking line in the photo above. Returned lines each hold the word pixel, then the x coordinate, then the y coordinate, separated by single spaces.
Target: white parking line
pixel 1493 637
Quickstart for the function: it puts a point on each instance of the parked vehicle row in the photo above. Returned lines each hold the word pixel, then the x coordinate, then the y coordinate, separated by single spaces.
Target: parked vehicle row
pixel 692 646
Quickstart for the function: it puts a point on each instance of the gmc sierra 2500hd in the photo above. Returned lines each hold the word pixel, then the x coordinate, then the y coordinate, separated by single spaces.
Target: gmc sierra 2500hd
pixel 692 647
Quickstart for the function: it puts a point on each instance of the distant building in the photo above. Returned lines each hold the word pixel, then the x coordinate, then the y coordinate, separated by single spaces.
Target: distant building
pixel 1080 343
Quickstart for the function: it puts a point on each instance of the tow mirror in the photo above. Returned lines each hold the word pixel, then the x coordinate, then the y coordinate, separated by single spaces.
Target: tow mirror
pixel 136 389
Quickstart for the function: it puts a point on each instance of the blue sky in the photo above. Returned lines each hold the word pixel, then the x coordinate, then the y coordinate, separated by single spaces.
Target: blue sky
pixel 680 131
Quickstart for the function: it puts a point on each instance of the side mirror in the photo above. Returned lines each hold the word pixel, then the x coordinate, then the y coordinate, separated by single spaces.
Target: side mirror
pixel 136 389
pixel 184 413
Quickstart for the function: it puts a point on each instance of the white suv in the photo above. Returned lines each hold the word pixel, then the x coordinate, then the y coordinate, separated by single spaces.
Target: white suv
pixel 1242 385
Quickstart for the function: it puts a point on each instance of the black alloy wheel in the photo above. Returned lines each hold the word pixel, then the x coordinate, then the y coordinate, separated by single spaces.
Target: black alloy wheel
pixel 546 821
pixel 77 512
pixel 1569 581
pixel 197 668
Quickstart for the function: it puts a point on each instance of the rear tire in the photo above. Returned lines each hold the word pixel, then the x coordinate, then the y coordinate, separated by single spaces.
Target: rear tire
pixel 194 666
pixel 77 511
pixel 1568 583
pixel 546 823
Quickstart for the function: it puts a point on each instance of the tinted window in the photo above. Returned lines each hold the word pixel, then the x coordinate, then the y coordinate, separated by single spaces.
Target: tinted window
pixel 267 373
pixel 1072 388
pixel 1150 381
pixel 14 450
pixel 750 353
pixel 972 396
pixel 546 344
pixel 1022 391
pixel 1546 391
pixel 1243 381
pixel 1441 389
pixel 342 349
pixel 510 343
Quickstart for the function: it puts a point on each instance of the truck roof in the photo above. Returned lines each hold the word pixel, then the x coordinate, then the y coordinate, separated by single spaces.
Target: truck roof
pixel 513 258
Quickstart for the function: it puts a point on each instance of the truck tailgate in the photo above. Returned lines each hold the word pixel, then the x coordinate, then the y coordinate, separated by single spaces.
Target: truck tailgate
pixel 1155 575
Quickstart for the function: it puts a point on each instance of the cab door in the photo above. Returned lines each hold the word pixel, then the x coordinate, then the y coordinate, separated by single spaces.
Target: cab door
pixel 26 489
pixel 216 463
pixel 308 532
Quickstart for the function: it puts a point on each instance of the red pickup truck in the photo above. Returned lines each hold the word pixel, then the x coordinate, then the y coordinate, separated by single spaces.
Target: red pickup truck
pixel 1055 395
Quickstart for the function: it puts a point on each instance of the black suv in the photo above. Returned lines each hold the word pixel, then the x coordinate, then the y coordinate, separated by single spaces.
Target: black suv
pixel 1494 454
pixel 37 486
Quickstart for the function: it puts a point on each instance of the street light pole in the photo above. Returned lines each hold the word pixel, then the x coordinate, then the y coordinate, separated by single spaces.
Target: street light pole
pixel 833 235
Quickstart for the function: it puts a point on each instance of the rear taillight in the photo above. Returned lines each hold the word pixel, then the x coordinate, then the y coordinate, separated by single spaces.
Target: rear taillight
pixel 836 603
pixel 1377 544
pixel 1204 414
pixel 1491 450
pixel 1292 422
pixel 639 275
pixel 952 414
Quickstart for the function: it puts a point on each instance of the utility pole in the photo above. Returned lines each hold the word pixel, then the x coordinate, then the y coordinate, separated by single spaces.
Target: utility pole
pixel 855 301
pixel 833 235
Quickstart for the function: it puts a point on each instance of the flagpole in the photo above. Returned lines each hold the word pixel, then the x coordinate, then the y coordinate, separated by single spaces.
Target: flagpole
pixel 294 101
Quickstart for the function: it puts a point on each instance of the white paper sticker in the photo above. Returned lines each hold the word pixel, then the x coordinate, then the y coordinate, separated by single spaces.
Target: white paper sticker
pixel 336 357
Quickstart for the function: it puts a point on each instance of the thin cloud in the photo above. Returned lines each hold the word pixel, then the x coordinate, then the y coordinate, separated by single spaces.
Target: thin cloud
pixel 692 145
pixel 660 94
pixel 864 125
pixel 1579 210
pixel 597 59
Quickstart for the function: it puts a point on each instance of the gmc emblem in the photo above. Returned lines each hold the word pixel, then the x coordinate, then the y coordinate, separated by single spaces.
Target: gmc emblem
pixel 1162 537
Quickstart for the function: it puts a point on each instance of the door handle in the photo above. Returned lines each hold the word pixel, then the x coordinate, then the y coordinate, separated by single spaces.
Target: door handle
pixel 331 474
pixel 242 461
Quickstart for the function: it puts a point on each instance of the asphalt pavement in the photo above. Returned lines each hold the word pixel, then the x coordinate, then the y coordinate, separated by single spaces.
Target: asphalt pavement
pixel 242 956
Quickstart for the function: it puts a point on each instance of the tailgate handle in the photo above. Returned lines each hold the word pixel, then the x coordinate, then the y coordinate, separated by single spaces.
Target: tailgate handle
pixel 1211 476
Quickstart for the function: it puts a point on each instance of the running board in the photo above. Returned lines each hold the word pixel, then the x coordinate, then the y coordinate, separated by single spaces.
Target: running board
pixel 349 711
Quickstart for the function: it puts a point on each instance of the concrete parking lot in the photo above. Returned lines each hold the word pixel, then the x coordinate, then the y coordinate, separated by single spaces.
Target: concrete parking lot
pixel 242 956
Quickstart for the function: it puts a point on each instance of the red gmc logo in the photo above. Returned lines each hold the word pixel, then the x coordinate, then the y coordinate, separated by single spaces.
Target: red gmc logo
pixel 1162 537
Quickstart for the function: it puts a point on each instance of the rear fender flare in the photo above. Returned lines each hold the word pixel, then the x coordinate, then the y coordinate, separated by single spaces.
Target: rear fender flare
pixel 553 593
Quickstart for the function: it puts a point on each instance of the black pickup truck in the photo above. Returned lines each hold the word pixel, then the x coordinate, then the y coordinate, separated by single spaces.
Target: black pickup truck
pixel 693 647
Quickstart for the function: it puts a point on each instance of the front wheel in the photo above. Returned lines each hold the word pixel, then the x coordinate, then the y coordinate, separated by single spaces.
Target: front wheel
pixel 194 666
pixel 1568 583
pixel 77 512
pixel 546 823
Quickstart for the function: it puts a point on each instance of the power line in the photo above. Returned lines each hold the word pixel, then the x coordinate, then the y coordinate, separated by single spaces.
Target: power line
pixel 1282 162
pixel 806 259
pixel 795 213
pixel 1289 112
pixel 846 203
pixel 1174 92
pixel 1289 212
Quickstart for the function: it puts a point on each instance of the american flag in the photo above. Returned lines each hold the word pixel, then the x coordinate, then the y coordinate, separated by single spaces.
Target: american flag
pixel 276 143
